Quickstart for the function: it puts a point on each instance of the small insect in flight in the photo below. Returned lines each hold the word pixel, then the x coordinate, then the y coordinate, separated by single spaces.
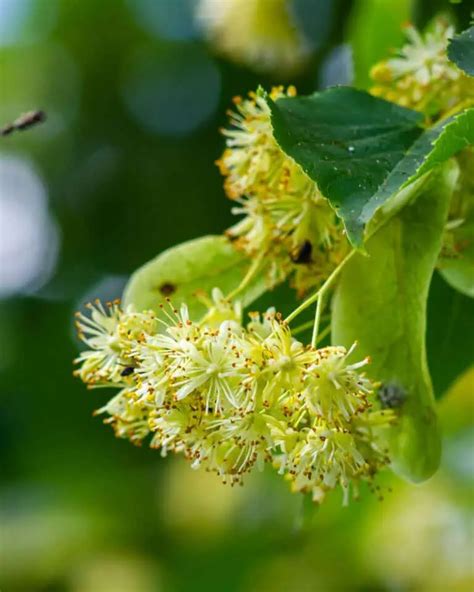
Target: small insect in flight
pixel 23 122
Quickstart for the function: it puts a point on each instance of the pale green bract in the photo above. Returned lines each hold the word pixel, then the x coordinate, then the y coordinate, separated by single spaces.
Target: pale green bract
pixel 381 301
pixel 188 270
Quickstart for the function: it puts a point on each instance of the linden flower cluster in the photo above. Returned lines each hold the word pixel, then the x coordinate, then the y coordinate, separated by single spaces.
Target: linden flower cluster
pixel 421 76
pixel 286 218
pixel 233 397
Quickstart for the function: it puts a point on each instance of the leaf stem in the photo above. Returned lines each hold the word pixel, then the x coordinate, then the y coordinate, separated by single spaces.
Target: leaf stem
pixel 324 333
pixel 309 301
pixel 317 316
pixel 251 272
pixel 309 325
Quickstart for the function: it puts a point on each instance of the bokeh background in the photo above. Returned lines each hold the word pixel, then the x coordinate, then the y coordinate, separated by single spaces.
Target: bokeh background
pixel 135 91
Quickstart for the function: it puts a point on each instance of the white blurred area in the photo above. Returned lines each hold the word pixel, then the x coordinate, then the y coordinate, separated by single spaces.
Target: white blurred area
pixel 29 237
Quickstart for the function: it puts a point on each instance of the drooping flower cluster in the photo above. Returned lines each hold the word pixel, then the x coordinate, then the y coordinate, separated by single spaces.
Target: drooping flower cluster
pixel 231 397
pixel 259 33
pixel 421 76
pixel 285 215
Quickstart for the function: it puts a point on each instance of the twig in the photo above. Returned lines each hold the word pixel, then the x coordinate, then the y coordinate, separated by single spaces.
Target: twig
pixel 324 287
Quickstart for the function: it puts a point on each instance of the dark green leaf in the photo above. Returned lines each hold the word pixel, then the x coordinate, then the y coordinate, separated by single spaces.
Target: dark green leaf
pixel 432 148
pixel 461 50
pixel 348 142
pixel 381 302
pixel 361 150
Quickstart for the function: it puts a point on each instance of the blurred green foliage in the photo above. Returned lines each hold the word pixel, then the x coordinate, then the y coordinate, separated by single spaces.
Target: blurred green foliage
pixel 123 169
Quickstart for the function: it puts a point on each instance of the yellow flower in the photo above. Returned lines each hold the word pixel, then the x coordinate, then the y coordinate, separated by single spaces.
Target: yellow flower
pixel 421 76
pixel 127 419
pixel 110 335
pixel 335 389
pixel 285 215
pixel 232 397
